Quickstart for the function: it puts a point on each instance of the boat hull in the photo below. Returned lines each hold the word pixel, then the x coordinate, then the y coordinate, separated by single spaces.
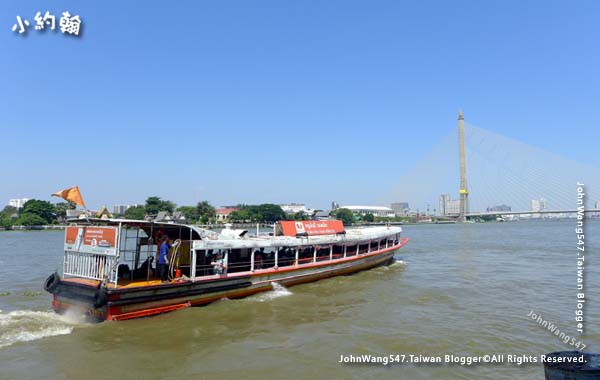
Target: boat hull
pixel 121 303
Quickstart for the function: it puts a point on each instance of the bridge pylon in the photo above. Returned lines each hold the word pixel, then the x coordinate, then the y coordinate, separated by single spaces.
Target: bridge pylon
pixel 463 190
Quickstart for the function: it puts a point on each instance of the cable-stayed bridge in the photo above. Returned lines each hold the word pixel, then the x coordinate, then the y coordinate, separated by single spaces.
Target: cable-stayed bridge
pixel 475 172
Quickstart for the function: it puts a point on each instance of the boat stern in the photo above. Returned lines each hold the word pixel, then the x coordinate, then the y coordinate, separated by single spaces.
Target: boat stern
pixel 82 297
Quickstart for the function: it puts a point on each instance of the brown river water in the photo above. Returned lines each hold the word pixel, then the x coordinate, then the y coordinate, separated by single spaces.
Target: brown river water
pixel 456 289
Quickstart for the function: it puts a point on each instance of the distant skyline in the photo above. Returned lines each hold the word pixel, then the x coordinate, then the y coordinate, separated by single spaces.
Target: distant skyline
pixel 270 101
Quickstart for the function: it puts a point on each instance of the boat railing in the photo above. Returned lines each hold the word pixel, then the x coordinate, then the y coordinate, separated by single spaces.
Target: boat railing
pixel 277 257
pixel 243 266
pixel 86 265
pixel 300 256
pixel 254 264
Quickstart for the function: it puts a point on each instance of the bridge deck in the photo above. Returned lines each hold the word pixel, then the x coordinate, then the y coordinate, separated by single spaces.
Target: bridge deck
pixel 531 212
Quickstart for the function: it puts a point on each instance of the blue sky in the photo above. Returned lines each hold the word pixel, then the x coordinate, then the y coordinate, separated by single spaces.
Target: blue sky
pixel 274 101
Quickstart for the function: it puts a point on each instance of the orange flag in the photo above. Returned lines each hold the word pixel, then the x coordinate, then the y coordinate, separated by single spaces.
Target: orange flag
pixel 72 195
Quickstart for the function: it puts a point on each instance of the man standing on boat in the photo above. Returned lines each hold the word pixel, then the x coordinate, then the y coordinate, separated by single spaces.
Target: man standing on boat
pixel 219 264
pixel 163 259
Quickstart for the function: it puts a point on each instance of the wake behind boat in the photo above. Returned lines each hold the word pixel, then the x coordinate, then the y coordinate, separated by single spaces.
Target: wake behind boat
pixel 108 271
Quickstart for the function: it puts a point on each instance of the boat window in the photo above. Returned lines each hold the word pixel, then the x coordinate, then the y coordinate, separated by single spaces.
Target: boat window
pixel 203 260
pixel 212 255
pixel 363 248
pixel 267 255
pixel 351 250
pixel 305 255
pixel 338 251
pixel 373 244
pixel 136 255
pixel 239 260
pixel 287 256
pixel 323 253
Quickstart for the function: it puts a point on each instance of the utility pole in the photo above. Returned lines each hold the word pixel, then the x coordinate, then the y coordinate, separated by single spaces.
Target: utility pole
pixel 463 191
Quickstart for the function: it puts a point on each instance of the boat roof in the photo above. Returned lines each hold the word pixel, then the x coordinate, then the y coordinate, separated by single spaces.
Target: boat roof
pixel 211 239
pixel 146 225
pixel 117 221
pixel 352 236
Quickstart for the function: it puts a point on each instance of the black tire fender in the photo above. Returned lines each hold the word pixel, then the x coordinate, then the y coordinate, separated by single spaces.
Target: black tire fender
pixel 100 297
pixel 51 282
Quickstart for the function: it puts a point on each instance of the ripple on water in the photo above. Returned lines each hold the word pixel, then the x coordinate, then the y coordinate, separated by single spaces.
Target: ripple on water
pixel 277 292
pixel 27 325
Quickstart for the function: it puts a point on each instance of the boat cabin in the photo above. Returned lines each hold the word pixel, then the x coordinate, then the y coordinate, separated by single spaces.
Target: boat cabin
pixel 123 252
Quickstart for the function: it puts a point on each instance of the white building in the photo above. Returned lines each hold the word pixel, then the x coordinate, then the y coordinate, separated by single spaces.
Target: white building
pixel 17 202
pixel 535 205
pixel 444 198
pixel 120 209
pixel 449 206
pixel 539 205
pixel 453 207
pixel 400 208
pixel 380 211
pixel 223 213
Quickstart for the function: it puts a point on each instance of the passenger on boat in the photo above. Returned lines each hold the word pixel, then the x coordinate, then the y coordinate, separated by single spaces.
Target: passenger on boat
pixel 286 257
pixel 145 270
pixel 258 259
pixel 219 264
pixel 163 259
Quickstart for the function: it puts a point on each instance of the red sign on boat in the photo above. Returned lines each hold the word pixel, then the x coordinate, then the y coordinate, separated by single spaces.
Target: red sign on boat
pixel 310 227
pixel 91 239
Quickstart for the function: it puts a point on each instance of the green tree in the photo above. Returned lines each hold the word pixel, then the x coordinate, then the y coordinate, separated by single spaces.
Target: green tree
pixel 154 205
pixel 135 213
pixel 43 209
pixel 30 219
pixel 5 221
pixel 367 218
pixel 190 212
pixel 206 212
pixel 344 215
pixel 241 215
pixel 8 216
pixel 300 215
pixel 10 211
pixel 265 212
pixel 271 212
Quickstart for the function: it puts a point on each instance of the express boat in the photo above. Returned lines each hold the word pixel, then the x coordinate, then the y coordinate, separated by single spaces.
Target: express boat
pixel 109 270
